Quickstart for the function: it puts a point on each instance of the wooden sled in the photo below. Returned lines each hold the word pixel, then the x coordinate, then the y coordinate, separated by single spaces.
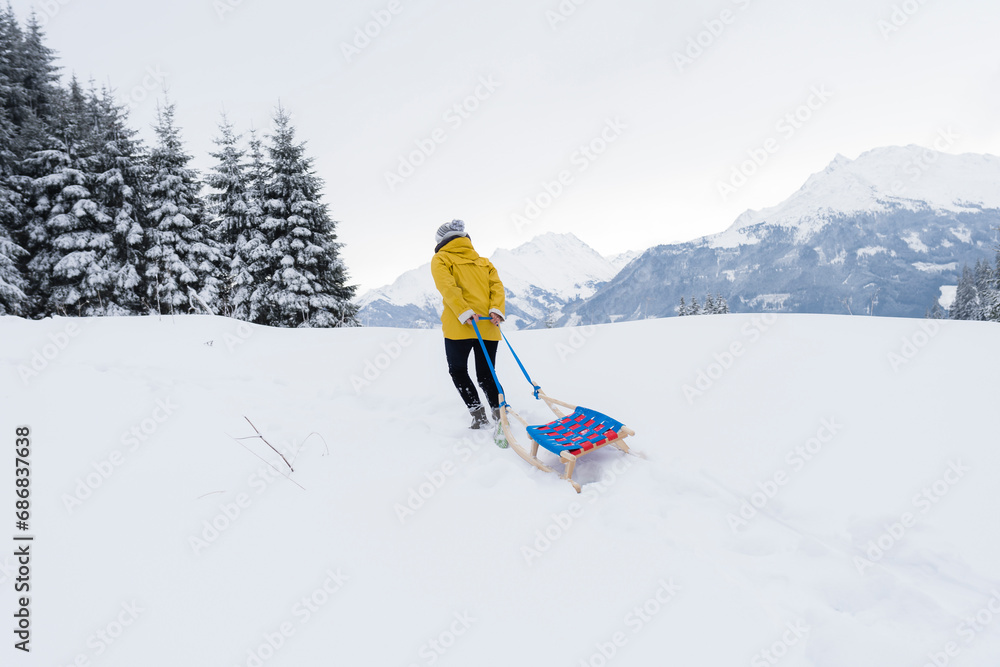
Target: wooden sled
pixel 569 436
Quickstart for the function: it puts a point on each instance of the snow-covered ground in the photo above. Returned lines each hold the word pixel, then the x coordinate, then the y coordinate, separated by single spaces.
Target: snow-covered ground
pixel 813 490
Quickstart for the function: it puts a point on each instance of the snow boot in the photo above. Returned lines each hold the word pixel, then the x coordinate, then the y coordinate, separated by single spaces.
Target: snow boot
pixel 499 437
pixel 479 419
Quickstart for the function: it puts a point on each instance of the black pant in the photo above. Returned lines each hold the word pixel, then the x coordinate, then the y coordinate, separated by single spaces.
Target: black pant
pixel 457 352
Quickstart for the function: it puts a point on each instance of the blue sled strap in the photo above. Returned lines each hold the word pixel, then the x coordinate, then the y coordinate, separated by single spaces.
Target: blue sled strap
pixel 506 410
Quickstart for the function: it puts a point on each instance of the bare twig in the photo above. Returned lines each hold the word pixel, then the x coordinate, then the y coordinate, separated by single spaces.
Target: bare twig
pixel 259 435
pixel 321 438
pixel 268 462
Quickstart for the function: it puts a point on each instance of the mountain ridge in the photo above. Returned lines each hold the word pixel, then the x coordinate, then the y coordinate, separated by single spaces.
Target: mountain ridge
pixel 541 277
pixel 886 233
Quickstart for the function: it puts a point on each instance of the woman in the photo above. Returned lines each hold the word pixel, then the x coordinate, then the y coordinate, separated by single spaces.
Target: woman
pixel 470 287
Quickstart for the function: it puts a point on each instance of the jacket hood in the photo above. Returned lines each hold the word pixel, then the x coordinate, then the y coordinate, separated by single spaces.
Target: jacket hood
pixel 461 248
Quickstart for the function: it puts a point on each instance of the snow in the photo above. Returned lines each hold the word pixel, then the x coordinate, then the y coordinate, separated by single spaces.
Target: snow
pixel 948 293
pixel 869 251
pixel 621 260
pixel 914 242
pixel 935 268
pixel 962 233
pixel 879 180
pixel 846 433
pixel 769 301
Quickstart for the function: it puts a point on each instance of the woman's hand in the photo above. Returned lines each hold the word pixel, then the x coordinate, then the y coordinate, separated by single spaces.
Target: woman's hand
pixel 494 318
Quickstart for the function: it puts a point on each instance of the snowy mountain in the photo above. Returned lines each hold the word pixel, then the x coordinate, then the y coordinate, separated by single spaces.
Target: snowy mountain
pixel 541 277
pixel 621 260
pixel 881 181
pixel 881 234
pixel 411 301
pixel 822 497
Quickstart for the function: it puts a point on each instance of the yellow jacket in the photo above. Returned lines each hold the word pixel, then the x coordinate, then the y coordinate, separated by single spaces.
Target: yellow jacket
pixel 469 285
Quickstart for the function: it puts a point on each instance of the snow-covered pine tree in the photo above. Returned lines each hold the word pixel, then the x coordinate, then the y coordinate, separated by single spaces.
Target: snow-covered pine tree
pixel 42 180
pixel 694 308
pixel 182 258
pixel 27 90
pixel 257 173
pixel 36 98
pixel 235 220
pixel 75 176
pixel 721 305
pixel 302 281
pixel 966 302
pixel 12 283
pixel 682 310
pixel 41 74
pixel 11 93
pixel 13 299
pixel 33 96
pixel 69 232
pixel 9 30
pixel 118 185
pixel 709 308
pixel 984 287
pixel 991 295
pixel 81 235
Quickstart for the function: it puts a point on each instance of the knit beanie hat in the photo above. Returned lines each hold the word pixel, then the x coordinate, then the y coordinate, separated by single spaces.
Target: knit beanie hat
pixel 449 230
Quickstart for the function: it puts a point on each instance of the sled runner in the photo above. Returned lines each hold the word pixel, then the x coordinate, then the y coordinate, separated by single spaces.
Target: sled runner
pixel 569 436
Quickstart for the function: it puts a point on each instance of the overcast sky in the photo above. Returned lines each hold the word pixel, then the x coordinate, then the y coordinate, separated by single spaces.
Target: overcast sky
pixel 671 97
